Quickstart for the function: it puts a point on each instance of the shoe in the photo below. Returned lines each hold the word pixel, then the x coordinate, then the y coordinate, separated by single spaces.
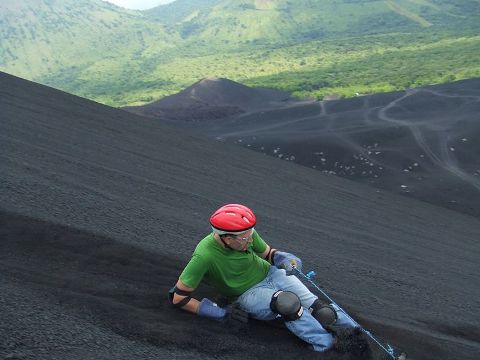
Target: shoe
pixel 352 341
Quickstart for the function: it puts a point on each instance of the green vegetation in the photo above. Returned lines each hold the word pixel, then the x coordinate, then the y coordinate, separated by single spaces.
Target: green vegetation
pixel 308 48
pixel 374 69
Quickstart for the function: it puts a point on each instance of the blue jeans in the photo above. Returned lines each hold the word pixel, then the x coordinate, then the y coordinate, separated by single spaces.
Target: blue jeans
pixel 256 301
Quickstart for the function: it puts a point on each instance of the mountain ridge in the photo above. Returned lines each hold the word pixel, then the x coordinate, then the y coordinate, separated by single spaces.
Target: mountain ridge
pixel 121 57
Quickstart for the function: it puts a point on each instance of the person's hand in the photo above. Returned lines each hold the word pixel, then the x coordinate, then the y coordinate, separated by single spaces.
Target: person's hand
pixel 287 261
pixel 210 309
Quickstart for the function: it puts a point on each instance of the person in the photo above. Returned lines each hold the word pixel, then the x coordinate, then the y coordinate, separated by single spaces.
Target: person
pixel 256 279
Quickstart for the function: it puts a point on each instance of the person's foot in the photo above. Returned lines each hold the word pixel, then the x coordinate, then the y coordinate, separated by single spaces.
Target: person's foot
pixel 352 341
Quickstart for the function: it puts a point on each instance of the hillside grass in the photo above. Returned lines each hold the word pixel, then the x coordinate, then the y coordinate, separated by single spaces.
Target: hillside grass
pixel 307 48
pixel 346 67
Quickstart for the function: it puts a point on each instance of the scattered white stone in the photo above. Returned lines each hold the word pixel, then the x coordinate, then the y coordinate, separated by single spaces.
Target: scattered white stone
pixel 422 156
pixel 323 160
pixel 371 164
pixel 406 170
pixel 377 152
pixel 403 186
pixel 452 149
pixel 464 140
pixel 380 168
pixel 240 140
pixel 280 156
pixel 415 164
pixel 292 158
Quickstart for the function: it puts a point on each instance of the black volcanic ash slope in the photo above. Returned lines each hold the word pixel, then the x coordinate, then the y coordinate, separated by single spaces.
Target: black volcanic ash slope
pixel 420 143
pixel 212 98
pixel 100 210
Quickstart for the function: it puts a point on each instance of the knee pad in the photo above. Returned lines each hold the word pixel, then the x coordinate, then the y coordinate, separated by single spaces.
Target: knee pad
pixel 287 304
pixel 324 313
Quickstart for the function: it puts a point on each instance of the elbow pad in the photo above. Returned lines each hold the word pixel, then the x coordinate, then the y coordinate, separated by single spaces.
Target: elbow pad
pixel 174 290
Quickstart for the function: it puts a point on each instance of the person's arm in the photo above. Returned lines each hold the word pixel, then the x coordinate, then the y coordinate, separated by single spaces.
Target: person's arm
pixel 181 295
pixel 192 304
pixel 267 254
pixel 281 259
pixel 207 308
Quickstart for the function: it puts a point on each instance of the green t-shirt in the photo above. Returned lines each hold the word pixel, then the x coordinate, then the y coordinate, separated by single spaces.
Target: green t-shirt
pixel 230 272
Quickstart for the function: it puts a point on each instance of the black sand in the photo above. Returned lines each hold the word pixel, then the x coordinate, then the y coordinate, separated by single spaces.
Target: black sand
pixel 100 210
pixel 421 143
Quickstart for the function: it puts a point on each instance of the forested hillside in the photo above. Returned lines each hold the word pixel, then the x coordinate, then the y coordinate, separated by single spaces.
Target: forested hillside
pixel 308 48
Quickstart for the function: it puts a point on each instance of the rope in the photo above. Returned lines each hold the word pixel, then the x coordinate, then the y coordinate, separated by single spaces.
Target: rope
pixel 388 349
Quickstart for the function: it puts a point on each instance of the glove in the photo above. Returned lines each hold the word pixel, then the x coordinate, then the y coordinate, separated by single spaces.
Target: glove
pixel 287 261
pixel 210 309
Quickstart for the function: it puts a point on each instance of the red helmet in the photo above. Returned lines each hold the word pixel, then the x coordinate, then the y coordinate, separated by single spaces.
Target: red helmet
pixel 232 219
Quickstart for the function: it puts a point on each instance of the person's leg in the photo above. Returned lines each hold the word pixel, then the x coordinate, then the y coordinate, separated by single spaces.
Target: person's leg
pixel 342 319
pixel 309 330
pixel 256 301
pixel 293 284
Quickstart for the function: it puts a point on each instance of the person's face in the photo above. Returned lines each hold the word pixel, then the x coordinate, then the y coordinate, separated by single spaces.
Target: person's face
pixel 241 241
